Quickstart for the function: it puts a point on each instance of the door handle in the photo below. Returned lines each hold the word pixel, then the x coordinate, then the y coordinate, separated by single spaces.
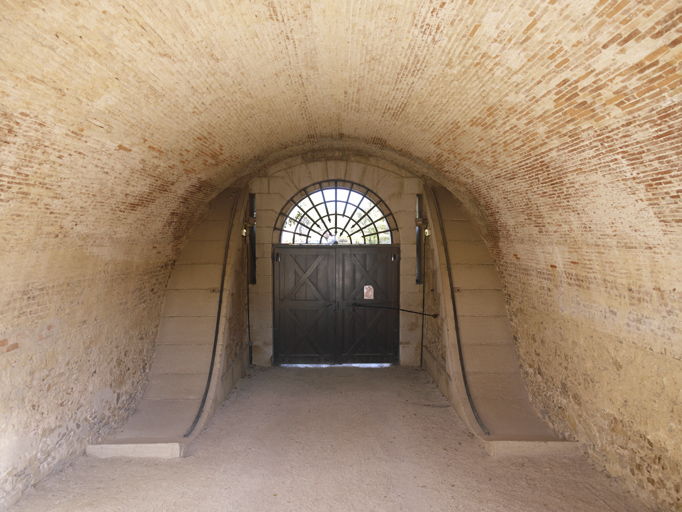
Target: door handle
pixel 331 305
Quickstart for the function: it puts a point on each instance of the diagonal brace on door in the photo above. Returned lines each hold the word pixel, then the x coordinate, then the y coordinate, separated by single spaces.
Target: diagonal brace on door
pixel 306 332
pixel 305 278
pixel 366 274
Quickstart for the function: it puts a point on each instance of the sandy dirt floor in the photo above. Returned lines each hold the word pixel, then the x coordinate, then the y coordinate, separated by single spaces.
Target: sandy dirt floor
pixel 335 439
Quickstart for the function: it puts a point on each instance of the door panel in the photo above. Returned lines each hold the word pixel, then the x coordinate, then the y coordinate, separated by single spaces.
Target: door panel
pixel 304 295
pixel 314 317
pixel 369 335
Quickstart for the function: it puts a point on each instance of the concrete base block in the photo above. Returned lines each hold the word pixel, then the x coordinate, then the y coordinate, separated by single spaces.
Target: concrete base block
pixel 530 448
pixel 138 449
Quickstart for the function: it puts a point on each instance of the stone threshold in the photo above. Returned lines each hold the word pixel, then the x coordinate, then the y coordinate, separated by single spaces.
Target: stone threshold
pixel 140 448
pixel 520 446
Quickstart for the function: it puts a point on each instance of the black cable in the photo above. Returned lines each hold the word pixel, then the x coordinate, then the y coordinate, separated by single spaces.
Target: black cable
pixel 248 305
pixel 454 309
pixel 421 346
pixel 355 305
pixel 217 323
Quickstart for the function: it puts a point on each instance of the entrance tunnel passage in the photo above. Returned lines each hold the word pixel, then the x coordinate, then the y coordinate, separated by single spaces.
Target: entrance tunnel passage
pixel 323 313
pixel 556 125
pixel 339 439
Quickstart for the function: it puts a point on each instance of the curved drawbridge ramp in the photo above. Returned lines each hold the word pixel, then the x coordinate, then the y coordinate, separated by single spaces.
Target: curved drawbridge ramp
pixel 173 408
pixel 482 376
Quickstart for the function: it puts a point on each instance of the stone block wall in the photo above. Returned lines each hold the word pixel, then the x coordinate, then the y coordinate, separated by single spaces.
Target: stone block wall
pixel 434 342
pixel 396 187
pixel 587 345
pixel 236 315
pixel 79 313
pixel 592 284
pixel 592 281
pixel 76 365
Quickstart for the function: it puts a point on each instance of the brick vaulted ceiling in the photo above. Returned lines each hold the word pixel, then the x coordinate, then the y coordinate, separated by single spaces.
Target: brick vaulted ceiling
pixel 124 109
pixel 558 123
pixel 558 120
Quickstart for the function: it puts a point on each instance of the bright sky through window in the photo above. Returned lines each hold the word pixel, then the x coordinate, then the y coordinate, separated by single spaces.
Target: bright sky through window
pixel 336 212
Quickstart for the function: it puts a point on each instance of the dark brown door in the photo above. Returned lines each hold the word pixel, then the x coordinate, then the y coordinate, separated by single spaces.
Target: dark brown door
pixel 319 296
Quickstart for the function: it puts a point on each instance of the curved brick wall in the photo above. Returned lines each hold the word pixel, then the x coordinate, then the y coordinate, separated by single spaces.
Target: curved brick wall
pixel 557 124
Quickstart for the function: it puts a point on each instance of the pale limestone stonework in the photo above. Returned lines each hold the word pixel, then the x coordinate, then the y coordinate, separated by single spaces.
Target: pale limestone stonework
pixel 278 184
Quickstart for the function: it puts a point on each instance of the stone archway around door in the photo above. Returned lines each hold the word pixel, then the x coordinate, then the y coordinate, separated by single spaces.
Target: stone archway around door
pixel 282 183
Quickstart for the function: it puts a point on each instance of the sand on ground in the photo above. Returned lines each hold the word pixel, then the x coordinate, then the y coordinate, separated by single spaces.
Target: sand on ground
pixel 333 439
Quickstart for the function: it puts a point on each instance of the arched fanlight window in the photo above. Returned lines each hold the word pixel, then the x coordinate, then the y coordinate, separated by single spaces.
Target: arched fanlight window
pixel 336 211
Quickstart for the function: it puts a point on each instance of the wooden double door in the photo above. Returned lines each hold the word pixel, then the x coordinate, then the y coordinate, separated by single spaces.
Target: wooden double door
pixel 336 304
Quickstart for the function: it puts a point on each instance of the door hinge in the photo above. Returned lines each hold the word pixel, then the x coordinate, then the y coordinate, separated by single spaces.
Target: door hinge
pixel 395 257
pixel 276 257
